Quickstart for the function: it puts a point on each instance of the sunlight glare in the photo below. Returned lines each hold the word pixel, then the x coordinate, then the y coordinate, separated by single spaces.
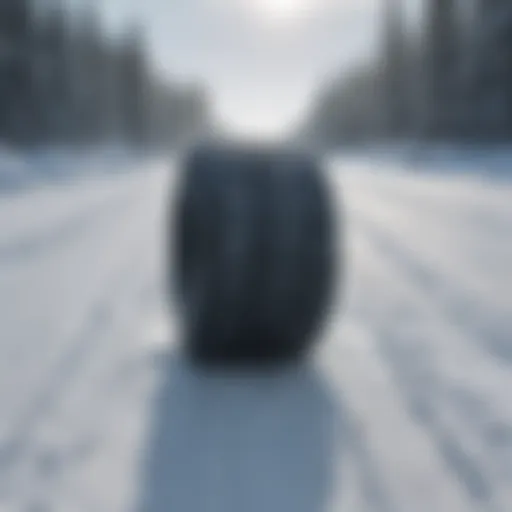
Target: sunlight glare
pixel 283 11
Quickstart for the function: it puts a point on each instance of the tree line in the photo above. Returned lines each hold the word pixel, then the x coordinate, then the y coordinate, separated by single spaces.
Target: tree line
pixel 447 78
pixel 65 80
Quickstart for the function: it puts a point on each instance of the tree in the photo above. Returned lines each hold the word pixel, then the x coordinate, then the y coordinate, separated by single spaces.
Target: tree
pixel 52 76
pixel 442 64
pixel 90 78
pixel 133 81
pixel 494 62
pixel 395 64
pixel 63 81
pixel 16 92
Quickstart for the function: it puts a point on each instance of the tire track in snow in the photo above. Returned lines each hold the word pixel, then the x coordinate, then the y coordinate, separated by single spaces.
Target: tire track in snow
pixel 33 246
pixel 69 365
pixel 479 325
pixel 429 397
pixel 422 301
pixel 485 206
pixel 460 249
pixel 389 451
pixel 107 387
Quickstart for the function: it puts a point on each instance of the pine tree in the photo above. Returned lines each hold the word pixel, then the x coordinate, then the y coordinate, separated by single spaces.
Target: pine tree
pixel 53 77
pixel 16 92
pixel 133 80
pixel 109 89
pixel 91 80
pixel 443 67
pixel 494 63
pixel 395 99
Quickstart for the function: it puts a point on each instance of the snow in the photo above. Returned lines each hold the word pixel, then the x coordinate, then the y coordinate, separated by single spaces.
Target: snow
pixel 405 408
pixel 50 165
pixel 480 161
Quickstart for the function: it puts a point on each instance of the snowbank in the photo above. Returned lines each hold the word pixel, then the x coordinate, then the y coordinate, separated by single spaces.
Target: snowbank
pixel 14 170
pixel 446 159
pixel 37 167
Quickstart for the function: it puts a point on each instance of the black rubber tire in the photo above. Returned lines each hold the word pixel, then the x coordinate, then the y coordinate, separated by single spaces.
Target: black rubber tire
pixel 254 254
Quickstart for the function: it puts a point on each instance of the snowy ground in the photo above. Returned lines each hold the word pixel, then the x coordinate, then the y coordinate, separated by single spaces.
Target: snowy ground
pixel 46 166
pixel 407 408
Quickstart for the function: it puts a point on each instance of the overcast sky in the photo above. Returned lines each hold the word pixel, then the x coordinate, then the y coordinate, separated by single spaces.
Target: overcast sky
pixel 261 58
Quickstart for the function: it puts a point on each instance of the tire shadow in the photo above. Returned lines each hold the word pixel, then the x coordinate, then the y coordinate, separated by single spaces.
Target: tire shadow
pixel 223 442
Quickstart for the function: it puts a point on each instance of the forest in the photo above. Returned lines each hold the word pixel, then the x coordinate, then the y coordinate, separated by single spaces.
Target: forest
pixel 66 80
pixel 446 78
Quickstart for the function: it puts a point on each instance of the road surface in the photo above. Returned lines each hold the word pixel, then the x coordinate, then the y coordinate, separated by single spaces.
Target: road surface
pixel 406 408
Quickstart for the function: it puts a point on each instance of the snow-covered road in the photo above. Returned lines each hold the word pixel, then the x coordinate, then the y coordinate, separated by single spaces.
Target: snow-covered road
pixel 408 407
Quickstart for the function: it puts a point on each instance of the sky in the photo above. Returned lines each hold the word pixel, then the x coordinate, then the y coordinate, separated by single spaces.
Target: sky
pixel 261 59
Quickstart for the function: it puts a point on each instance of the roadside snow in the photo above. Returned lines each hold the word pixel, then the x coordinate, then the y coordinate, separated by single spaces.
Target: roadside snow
pixel 448 161
pixel 22 170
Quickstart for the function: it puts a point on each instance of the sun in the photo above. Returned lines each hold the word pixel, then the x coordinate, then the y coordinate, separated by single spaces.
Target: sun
pixel 282 11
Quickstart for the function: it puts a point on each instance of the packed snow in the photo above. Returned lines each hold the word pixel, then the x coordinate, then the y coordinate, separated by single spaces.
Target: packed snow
pixel 406 407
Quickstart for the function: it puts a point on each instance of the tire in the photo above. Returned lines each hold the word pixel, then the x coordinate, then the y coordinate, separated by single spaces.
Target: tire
pixel 253 251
